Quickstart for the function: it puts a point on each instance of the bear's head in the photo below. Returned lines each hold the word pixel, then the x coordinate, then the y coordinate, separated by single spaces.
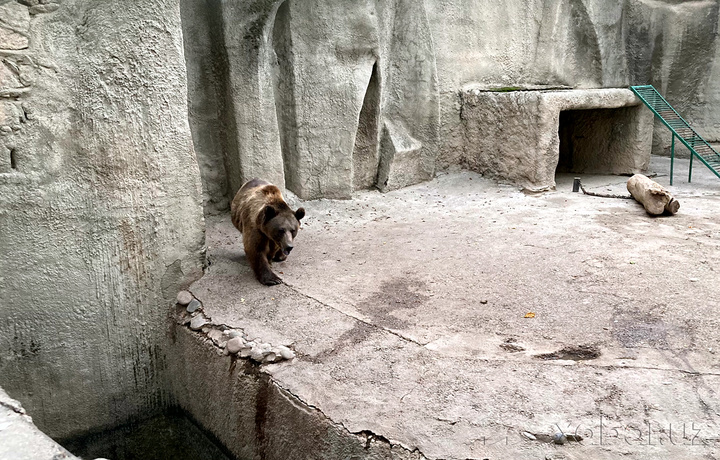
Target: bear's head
pixel 281 225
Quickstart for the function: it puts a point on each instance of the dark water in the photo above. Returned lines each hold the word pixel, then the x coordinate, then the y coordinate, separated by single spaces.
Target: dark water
pixel 170 436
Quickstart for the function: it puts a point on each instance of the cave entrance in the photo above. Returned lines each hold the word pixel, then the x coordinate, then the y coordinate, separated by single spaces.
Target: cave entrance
pixel 595 140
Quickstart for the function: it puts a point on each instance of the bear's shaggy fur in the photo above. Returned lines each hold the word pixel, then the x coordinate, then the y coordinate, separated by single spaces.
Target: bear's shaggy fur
pixel 268 226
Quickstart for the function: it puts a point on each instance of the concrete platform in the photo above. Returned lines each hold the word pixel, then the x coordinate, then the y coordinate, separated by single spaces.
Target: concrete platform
pixel 408 312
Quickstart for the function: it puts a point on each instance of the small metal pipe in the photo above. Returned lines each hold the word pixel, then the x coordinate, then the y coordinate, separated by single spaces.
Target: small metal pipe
pixel 690 172
pixel 672 158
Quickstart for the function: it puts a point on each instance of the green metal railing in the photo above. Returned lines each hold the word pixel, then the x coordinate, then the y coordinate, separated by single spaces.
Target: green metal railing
pixel 680 128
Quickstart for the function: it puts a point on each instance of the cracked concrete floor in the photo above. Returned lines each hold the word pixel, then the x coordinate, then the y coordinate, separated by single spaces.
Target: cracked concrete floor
pixel 407 311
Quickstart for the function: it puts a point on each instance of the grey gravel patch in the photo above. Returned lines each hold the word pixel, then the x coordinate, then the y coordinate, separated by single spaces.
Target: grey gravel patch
pixel 510 346
pixel 557 438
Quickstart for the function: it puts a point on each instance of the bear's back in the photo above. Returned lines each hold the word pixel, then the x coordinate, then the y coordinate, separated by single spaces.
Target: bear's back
pixel 249 201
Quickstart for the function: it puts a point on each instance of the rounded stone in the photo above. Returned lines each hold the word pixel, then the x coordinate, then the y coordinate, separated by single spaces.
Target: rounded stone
pixel 216 336
pixel 285 352
pixel 559 438
pixel 193 305
pixel 233 334
pixel 198 322
pixel 184 297
pixel 256 354
pixel 245 351
pixel 234 345
pixel 271 357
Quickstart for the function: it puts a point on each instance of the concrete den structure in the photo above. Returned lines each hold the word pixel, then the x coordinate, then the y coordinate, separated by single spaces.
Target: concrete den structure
pixel 525 137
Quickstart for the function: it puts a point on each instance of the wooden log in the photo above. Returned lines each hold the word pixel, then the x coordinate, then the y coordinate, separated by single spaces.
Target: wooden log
pixel 652 195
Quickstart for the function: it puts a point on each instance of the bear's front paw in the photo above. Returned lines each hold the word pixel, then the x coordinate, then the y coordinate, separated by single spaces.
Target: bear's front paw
pixel 270 279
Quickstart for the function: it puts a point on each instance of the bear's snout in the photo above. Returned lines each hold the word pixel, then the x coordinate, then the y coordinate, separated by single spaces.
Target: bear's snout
pixel 287 250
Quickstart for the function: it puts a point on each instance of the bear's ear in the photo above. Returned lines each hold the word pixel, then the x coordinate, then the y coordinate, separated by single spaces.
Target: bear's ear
pixel 300 213
pixel 267 214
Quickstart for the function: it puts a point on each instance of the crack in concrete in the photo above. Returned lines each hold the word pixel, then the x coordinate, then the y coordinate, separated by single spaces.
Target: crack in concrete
pixel 568 363
pixel 369 435
pixel 650 368
pixel 595 366
pixel 377 326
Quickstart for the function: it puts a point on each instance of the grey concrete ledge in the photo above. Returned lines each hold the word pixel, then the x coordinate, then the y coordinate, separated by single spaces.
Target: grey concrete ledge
pixel 407 314
pixel 562 98
pixel 254 415
pixel 20 439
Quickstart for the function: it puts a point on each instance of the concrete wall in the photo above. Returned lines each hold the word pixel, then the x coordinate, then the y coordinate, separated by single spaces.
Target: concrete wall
pixel 100 213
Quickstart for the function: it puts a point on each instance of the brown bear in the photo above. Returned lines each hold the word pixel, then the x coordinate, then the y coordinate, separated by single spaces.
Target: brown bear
pixel 268 226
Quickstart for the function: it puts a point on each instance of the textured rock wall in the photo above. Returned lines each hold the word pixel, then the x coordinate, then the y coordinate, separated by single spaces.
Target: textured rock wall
pixel 208 99
pixel 329 96
pixel 673 45
pixel 100 206
pixel 325 97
